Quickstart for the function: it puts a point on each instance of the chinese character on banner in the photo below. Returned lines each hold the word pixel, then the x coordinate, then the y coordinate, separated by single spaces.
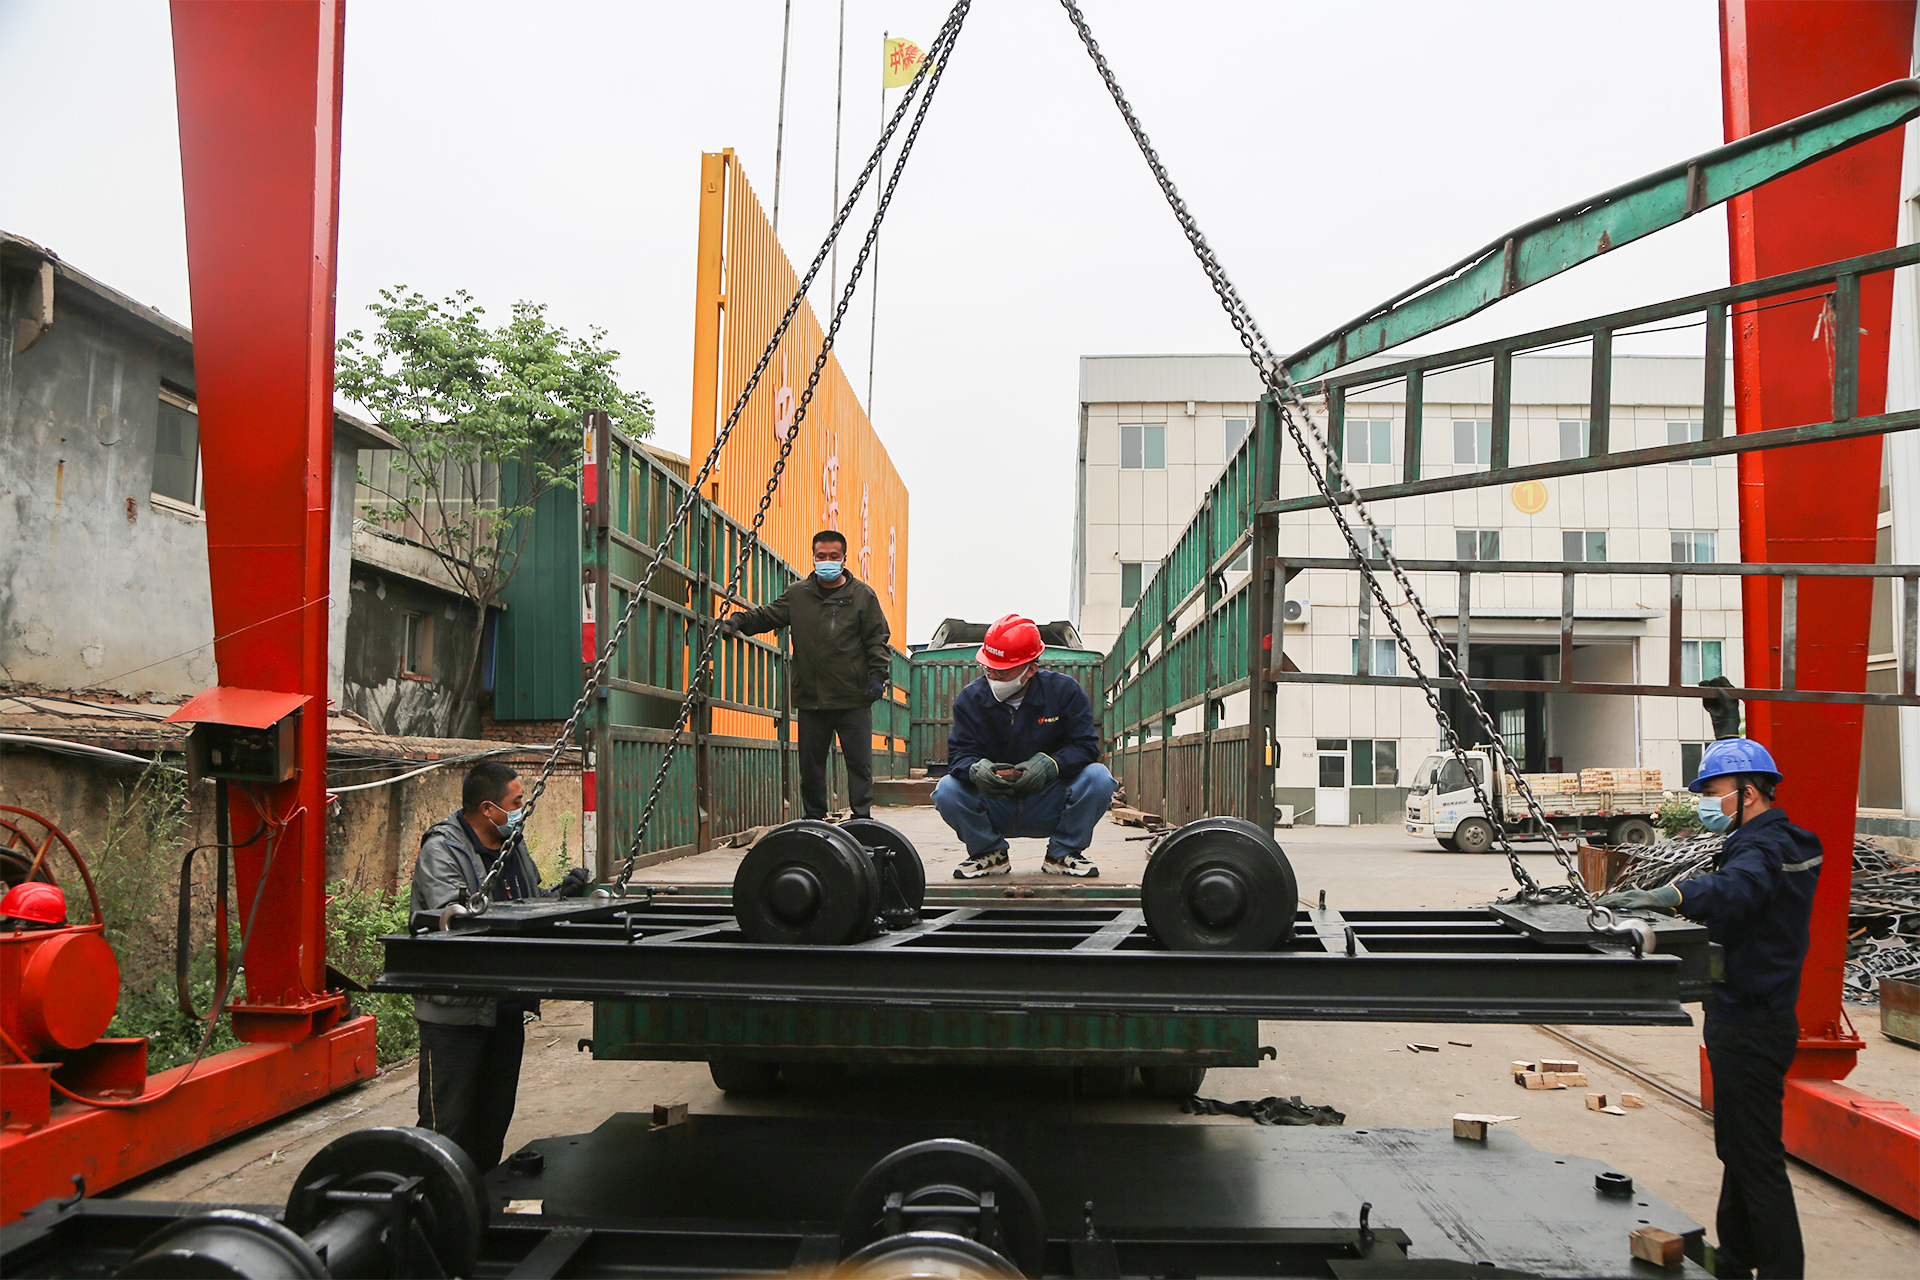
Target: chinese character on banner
pixel 866 537
pixel 783 403
pixel 890 550
pixel 902 62
pixel 830 484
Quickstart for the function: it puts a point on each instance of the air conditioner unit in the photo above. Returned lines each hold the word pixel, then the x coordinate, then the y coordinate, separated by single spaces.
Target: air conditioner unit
pixel 1297 610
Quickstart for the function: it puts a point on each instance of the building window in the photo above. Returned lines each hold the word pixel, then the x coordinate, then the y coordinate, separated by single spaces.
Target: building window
pixel 1235 430
pixel 1473 442
pixel 1376 762
pixel 1367 440
pixel 1379 544
pixel 1687 433
pixel 1513 733
pixel 1690 753
pixel 1242 563
pixel 176 450
pixel 1476 544
pixel 1699 660
pixel 1386 658
pixel 1583 544
pixel 1693 546
pixel 1142 447
pixel 1576 440
pixel 1132 575
pixel 416 653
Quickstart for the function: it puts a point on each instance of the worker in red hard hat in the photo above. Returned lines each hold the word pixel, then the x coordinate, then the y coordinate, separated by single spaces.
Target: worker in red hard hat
pixel 1757 903
pixel 33 905
pixel 1023 760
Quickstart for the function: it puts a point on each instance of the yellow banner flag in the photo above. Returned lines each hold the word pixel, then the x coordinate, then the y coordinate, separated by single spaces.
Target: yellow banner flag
pixel 902 63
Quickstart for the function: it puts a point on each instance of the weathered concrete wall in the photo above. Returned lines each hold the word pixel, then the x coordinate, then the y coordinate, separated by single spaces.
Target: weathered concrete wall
pixel 374 686
pixel 99 583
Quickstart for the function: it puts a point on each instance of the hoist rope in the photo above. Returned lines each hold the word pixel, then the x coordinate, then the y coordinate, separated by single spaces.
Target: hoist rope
pixel 931 69
pixel 1288 403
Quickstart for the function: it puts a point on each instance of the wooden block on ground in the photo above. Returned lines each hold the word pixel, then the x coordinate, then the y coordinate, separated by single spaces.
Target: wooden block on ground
pixel 1520 1068
pixel 1535 1080
pixel 1596 1102
pixel 666 1113
pixel 1661 1248
pixel 1136 818
pixel 1553 1066
pixel 1632 1100
pixel 1424 1048
pixel 1564 1079
pixel 526 1206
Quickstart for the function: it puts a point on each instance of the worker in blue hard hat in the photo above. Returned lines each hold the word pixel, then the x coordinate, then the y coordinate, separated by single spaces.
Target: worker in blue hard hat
pixel 1756 903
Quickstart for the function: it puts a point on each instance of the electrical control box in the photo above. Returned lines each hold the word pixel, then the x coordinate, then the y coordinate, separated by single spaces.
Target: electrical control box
pixel 243 735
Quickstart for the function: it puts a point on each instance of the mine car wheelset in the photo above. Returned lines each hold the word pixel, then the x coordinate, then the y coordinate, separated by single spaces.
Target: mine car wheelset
pixel 1217 884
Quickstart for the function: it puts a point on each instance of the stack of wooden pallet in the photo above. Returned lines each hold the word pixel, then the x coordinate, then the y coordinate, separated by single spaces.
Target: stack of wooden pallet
pixel 1620 780
pixel 1552 784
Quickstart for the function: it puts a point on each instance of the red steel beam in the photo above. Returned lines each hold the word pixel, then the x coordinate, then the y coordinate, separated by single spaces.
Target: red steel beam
pixel 259 102
pixel 1813 503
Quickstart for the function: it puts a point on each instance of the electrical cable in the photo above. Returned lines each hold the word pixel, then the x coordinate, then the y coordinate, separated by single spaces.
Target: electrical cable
pixel 68 747
pixel 428 768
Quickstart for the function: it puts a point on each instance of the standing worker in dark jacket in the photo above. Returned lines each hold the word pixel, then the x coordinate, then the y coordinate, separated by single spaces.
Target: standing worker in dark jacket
pixel 842 665
pixel 469 1045
pixel 1023 759
pixel 1756 902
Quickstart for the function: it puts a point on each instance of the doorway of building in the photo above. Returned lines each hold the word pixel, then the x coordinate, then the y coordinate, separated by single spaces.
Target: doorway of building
pixel 1520 718
pixel 1330 808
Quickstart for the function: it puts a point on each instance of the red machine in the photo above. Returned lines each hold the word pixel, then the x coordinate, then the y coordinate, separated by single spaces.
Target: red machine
pixel 1780 59
pixel 259 95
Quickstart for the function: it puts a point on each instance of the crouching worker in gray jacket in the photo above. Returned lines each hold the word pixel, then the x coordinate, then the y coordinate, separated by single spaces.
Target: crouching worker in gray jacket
pixel 470 1046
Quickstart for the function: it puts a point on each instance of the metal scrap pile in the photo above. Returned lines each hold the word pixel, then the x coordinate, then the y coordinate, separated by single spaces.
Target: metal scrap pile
pixel 1883 926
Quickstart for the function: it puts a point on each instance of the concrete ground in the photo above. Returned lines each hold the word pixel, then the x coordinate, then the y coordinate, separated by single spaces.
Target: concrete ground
pixel 1364 1069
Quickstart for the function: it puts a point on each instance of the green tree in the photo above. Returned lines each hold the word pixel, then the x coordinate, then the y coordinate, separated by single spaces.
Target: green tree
pixel 488 421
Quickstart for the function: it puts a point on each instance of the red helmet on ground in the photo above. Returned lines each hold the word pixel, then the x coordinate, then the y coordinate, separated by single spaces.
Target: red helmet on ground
pixel 1011 642
pixel 36 901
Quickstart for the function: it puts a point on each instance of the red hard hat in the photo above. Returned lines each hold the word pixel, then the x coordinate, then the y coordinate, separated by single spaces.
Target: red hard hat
pixel 1011 642
pixel 36 901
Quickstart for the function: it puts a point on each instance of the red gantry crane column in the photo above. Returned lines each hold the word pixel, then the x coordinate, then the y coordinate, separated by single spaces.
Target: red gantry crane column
pixel 1817 503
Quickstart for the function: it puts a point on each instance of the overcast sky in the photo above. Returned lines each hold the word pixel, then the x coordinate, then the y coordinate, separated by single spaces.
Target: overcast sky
pixel 1333 153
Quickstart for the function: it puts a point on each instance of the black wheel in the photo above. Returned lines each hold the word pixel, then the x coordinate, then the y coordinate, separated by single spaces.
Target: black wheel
pixel 742 1075
pixel 453 1211
pixel 1102 1081
pixel 1630 831
pixel 908 870
pixel 1448 843
pixel 928 1176
pixel 1173 1082
pixel 813 1077
pixel 806 883
pixel 1473 835
pixel 1220 884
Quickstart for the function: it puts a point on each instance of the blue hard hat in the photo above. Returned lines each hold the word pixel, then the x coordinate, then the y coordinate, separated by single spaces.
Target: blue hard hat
pixel 1733 755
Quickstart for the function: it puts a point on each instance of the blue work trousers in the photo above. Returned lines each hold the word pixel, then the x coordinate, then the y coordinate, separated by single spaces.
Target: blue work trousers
pixel 1061 813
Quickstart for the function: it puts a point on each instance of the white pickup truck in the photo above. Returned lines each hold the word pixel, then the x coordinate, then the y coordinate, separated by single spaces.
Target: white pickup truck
pixel 1614 806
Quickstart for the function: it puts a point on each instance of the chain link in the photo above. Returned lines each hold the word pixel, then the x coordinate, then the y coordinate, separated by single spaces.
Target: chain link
pixel 1288 402
pixel 479 900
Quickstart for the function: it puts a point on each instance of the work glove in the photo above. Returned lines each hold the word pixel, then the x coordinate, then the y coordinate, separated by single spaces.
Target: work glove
pixel 577 883
pixel 987 782
pixel 1723 709
pixel 1035 773
pixel 1665 900
pixel 876 690
pixel 730 625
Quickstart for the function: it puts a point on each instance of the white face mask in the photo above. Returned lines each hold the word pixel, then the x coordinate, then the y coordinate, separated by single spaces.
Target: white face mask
pixel 1005 689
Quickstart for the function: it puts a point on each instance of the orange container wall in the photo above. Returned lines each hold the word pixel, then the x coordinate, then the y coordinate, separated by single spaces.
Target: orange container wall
pixel 838 475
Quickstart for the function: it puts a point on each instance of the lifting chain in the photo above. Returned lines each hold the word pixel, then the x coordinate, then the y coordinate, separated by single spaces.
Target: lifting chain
pixel 1289 403
pixel 929 74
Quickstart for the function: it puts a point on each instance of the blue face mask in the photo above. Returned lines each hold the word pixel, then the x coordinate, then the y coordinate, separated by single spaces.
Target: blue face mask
pixel 1712 816
pixel 514 818
pixel 828 570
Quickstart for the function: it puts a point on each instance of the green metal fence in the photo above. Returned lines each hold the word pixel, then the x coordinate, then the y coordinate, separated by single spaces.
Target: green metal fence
pixel 938 676
pixel 584 567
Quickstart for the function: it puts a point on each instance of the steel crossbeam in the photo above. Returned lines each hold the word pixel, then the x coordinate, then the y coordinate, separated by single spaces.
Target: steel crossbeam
pixel 1491 964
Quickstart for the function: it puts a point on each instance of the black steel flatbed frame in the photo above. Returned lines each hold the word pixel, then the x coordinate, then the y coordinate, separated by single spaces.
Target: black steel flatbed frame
pixel 1498 964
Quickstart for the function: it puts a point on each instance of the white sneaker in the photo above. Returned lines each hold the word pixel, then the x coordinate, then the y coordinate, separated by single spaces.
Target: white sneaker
pixel 1071 865
pixel 994 862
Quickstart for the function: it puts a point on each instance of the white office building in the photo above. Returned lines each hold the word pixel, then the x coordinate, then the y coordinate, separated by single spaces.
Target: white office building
pixel 1156 430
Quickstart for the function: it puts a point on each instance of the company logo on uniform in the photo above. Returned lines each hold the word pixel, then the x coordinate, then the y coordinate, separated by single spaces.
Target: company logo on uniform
pixel 1046 719
pixel 998 653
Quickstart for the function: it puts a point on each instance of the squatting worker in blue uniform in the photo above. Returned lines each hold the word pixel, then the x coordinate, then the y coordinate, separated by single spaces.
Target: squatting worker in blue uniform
pixel 1023 759
pixel 470 1046
pixel 1756 903
pixel 842 665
